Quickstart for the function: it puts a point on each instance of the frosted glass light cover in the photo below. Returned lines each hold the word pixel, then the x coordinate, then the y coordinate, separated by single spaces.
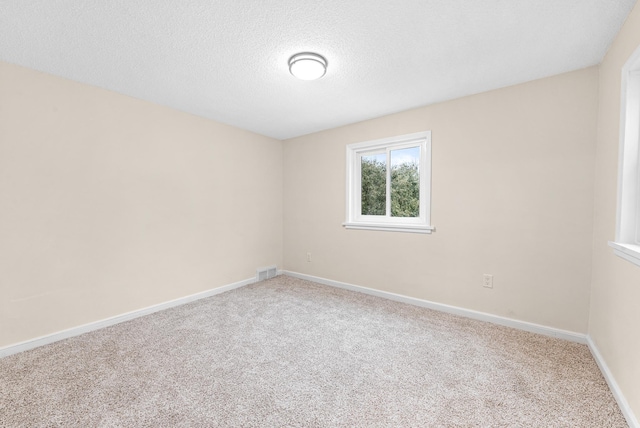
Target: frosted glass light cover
pixel 307 66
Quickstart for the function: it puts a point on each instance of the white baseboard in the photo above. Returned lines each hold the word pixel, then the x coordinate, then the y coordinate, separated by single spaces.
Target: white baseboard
pixel 613 385
pixel 468 313
pixel 76 331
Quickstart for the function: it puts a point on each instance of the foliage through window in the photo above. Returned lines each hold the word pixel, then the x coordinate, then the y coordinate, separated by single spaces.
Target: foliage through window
pixel 388 184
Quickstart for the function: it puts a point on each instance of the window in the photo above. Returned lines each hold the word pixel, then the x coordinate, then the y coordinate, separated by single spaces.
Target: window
pixel 389 184
pixel 627 243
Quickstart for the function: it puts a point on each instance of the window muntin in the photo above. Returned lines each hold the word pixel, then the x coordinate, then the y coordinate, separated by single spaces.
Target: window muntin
pixel 388 184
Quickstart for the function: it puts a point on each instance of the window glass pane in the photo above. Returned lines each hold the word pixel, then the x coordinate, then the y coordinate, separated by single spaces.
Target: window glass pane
pixel 405 182
pixel 374 184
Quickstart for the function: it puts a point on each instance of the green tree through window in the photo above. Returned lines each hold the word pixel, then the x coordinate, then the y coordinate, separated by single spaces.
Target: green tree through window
pixel 405 190
pixel 374 185
pixel 405 183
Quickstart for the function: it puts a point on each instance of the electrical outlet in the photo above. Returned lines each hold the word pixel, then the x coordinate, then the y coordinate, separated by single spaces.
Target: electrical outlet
pixel 309 257
pixel 487 281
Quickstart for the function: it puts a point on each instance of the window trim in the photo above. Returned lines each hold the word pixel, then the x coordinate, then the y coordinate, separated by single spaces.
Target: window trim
pixel 354 218
pixel 627 240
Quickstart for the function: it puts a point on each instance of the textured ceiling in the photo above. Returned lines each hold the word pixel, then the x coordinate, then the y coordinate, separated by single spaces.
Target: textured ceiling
pixel 227 59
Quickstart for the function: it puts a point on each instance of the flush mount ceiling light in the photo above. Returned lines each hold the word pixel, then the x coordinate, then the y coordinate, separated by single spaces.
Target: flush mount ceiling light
pixel 307 66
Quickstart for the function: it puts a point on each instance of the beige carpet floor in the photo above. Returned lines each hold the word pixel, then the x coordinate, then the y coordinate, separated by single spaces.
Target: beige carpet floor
pixel 287 352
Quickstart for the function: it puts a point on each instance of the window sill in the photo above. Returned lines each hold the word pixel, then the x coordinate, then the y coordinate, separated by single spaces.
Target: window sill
pixel 628 252
pixel 408 228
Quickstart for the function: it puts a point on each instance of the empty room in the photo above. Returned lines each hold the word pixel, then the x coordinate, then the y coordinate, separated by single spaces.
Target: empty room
pixel 320 214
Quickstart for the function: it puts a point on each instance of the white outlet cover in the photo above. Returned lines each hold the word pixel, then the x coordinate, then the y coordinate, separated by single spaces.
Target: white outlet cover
pixel 487 281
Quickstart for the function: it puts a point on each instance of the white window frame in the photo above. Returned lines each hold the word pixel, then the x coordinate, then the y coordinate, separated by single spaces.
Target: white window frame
pixel 627 243
pixel 354 218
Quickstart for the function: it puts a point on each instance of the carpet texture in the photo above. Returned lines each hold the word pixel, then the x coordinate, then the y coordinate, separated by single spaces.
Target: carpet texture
pixel 288 352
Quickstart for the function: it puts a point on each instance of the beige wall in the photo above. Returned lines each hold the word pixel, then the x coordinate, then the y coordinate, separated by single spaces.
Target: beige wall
pixel 109 204
pixel 512 196
pixel 614 323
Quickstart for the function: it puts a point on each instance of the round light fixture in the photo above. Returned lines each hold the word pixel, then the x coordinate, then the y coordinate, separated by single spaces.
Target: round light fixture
pixel 307 66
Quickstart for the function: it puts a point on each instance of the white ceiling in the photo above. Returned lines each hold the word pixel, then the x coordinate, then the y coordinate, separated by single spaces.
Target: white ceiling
pixel 227 59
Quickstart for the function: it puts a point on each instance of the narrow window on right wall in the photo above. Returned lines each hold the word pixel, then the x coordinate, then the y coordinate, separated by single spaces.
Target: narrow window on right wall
pixel 627 243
